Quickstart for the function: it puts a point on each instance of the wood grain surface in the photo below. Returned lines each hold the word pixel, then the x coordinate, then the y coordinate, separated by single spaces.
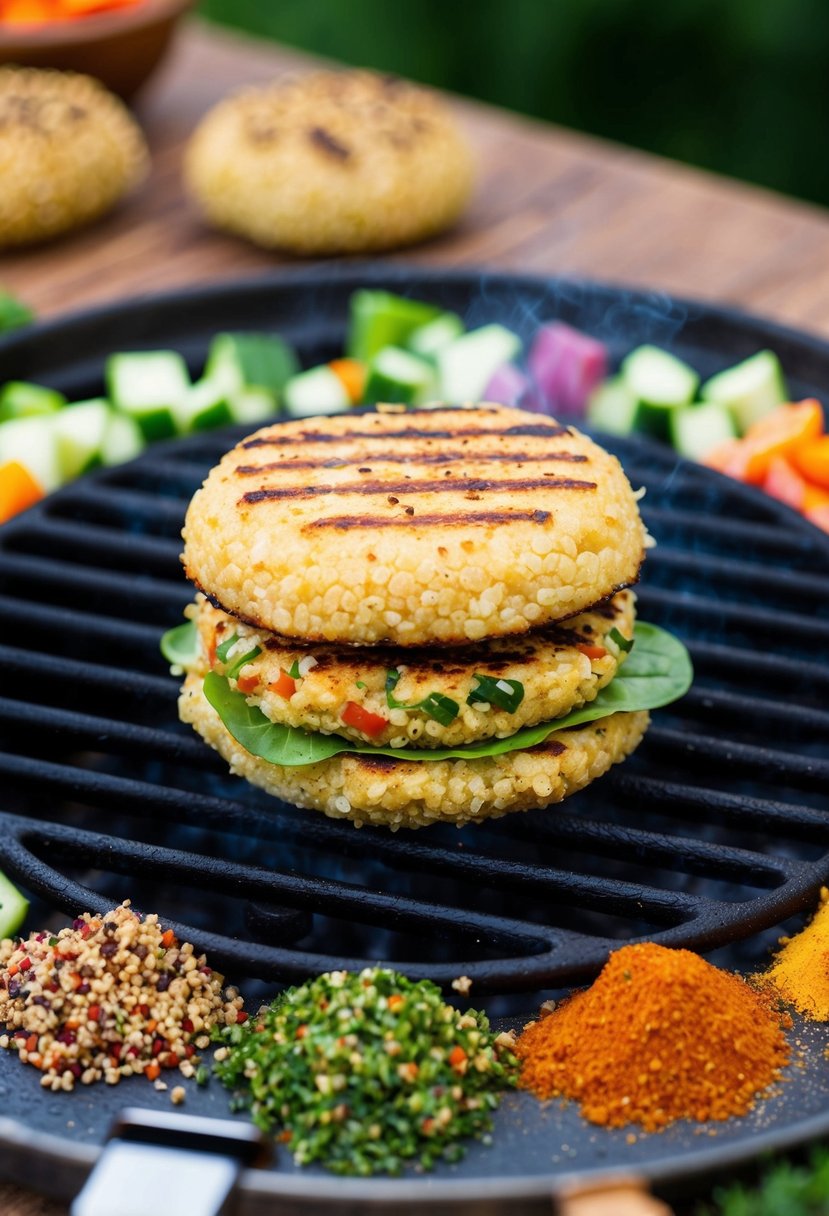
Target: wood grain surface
pixel 547 201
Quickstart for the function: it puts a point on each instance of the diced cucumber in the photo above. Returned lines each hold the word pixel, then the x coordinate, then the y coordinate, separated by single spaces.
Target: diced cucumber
pixel 379 318
pixel 206 406
pixel 33 443
pixel 80 430
pixel 241 361
pixel 13 907
pixel 250 405
pixel 428 339
pixel 19 399
pixel 466 365
pixel 123 439
pixel 399 376
pixel 750 389
pixel 696 429
pixel 659 378
pixel 317 391
pixel 613 408
pixel 149 386
pixel 661 383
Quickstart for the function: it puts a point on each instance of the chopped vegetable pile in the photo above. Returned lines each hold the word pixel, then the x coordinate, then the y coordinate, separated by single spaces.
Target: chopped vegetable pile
pixel 409 352
pixel 109 997
pixel 367 1071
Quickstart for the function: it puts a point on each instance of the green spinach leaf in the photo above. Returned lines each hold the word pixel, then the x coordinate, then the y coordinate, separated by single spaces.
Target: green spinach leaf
pixel 657 671
pixel 180 646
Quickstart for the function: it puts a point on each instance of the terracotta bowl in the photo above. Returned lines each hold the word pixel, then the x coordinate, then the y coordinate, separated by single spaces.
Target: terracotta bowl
pixel 121 48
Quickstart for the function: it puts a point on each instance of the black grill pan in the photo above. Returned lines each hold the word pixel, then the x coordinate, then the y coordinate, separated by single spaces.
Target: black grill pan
pixel 712 834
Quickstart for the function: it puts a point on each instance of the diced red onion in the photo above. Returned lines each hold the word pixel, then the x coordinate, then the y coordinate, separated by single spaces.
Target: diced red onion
pixel 566 366
pixel 507 386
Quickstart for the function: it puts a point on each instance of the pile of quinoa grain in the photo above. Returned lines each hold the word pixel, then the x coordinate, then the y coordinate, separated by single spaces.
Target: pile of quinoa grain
pixel 110 997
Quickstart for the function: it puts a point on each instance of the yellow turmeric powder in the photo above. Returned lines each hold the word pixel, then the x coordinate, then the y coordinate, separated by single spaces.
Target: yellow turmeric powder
pixel 800 973
pixel 661 1035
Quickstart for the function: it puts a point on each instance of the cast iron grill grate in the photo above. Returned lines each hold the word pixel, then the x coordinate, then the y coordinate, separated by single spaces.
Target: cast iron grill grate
pixel 716 828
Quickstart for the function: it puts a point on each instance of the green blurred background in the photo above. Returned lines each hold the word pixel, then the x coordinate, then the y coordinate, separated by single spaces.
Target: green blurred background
pixel 739 86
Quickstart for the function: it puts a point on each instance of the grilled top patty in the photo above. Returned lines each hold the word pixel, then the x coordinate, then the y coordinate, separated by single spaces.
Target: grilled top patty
pixel 443 526
pixel 441 698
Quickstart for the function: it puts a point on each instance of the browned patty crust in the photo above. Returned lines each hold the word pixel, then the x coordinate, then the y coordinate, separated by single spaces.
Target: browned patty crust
pixel 440 526
pixel 558 669
pixel 411 793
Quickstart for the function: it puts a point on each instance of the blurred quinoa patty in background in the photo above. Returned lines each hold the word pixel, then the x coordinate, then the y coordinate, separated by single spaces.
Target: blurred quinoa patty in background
pixel 336 162
pixel 69 150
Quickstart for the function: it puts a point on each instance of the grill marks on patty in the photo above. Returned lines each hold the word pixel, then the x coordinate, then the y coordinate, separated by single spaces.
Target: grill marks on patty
pixel 462 485
pixel 534 430
pixel 370 460
pixel 428 458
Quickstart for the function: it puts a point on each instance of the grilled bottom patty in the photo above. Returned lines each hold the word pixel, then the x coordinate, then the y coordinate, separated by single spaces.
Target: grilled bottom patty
pixel 413 793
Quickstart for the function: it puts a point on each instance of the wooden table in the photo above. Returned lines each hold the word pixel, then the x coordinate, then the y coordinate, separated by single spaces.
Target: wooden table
pixel 548 201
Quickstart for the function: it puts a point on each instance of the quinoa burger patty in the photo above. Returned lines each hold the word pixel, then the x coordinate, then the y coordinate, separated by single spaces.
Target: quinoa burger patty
pixel 414 793
pixel 343 690
pixel 445 525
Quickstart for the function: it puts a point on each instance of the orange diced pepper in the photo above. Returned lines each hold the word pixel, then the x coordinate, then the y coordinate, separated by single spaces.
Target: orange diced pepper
pixel 152 1071
pixel 168 938
pixel 284 685
pixel 812 460
pixel 785 483
pixel 729 457
pixel 819 516
pixel 352 375
pixel 18 489
pixel 780 433
pixel 592 652
pixel 247 683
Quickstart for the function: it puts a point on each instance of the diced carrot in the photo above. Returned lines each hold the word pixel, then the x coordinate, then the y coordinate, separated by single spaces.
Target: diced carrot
pixel 352 375
pixel 780 432
pixel 31 1042
pixel 247 683
pixel 152 1071
pixel 812 460
pixel 168 938
pixel 283 685
pixel 18 489
pixel 396 1002
pixel 592 652
pixel 784 483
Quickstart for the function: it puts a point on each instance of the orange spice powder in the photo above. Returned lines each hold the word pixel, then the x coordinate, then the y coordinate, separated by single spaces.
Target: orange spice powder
pixel 661 1035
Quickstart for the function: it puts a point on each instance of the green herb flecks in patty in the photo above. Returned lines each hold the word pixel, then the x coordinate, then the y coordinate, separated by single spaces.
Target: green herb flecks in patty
pixel 367 1071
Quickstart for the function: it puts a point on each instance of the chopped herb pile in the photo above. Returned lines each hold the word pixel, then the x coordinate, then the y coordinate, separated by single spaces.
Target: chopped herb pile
pixel 367 1071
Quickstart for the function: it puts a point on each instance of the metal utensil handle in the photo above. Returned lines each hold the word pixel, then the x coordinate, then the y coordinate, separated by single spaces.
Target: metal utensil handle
pixel 159 1164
